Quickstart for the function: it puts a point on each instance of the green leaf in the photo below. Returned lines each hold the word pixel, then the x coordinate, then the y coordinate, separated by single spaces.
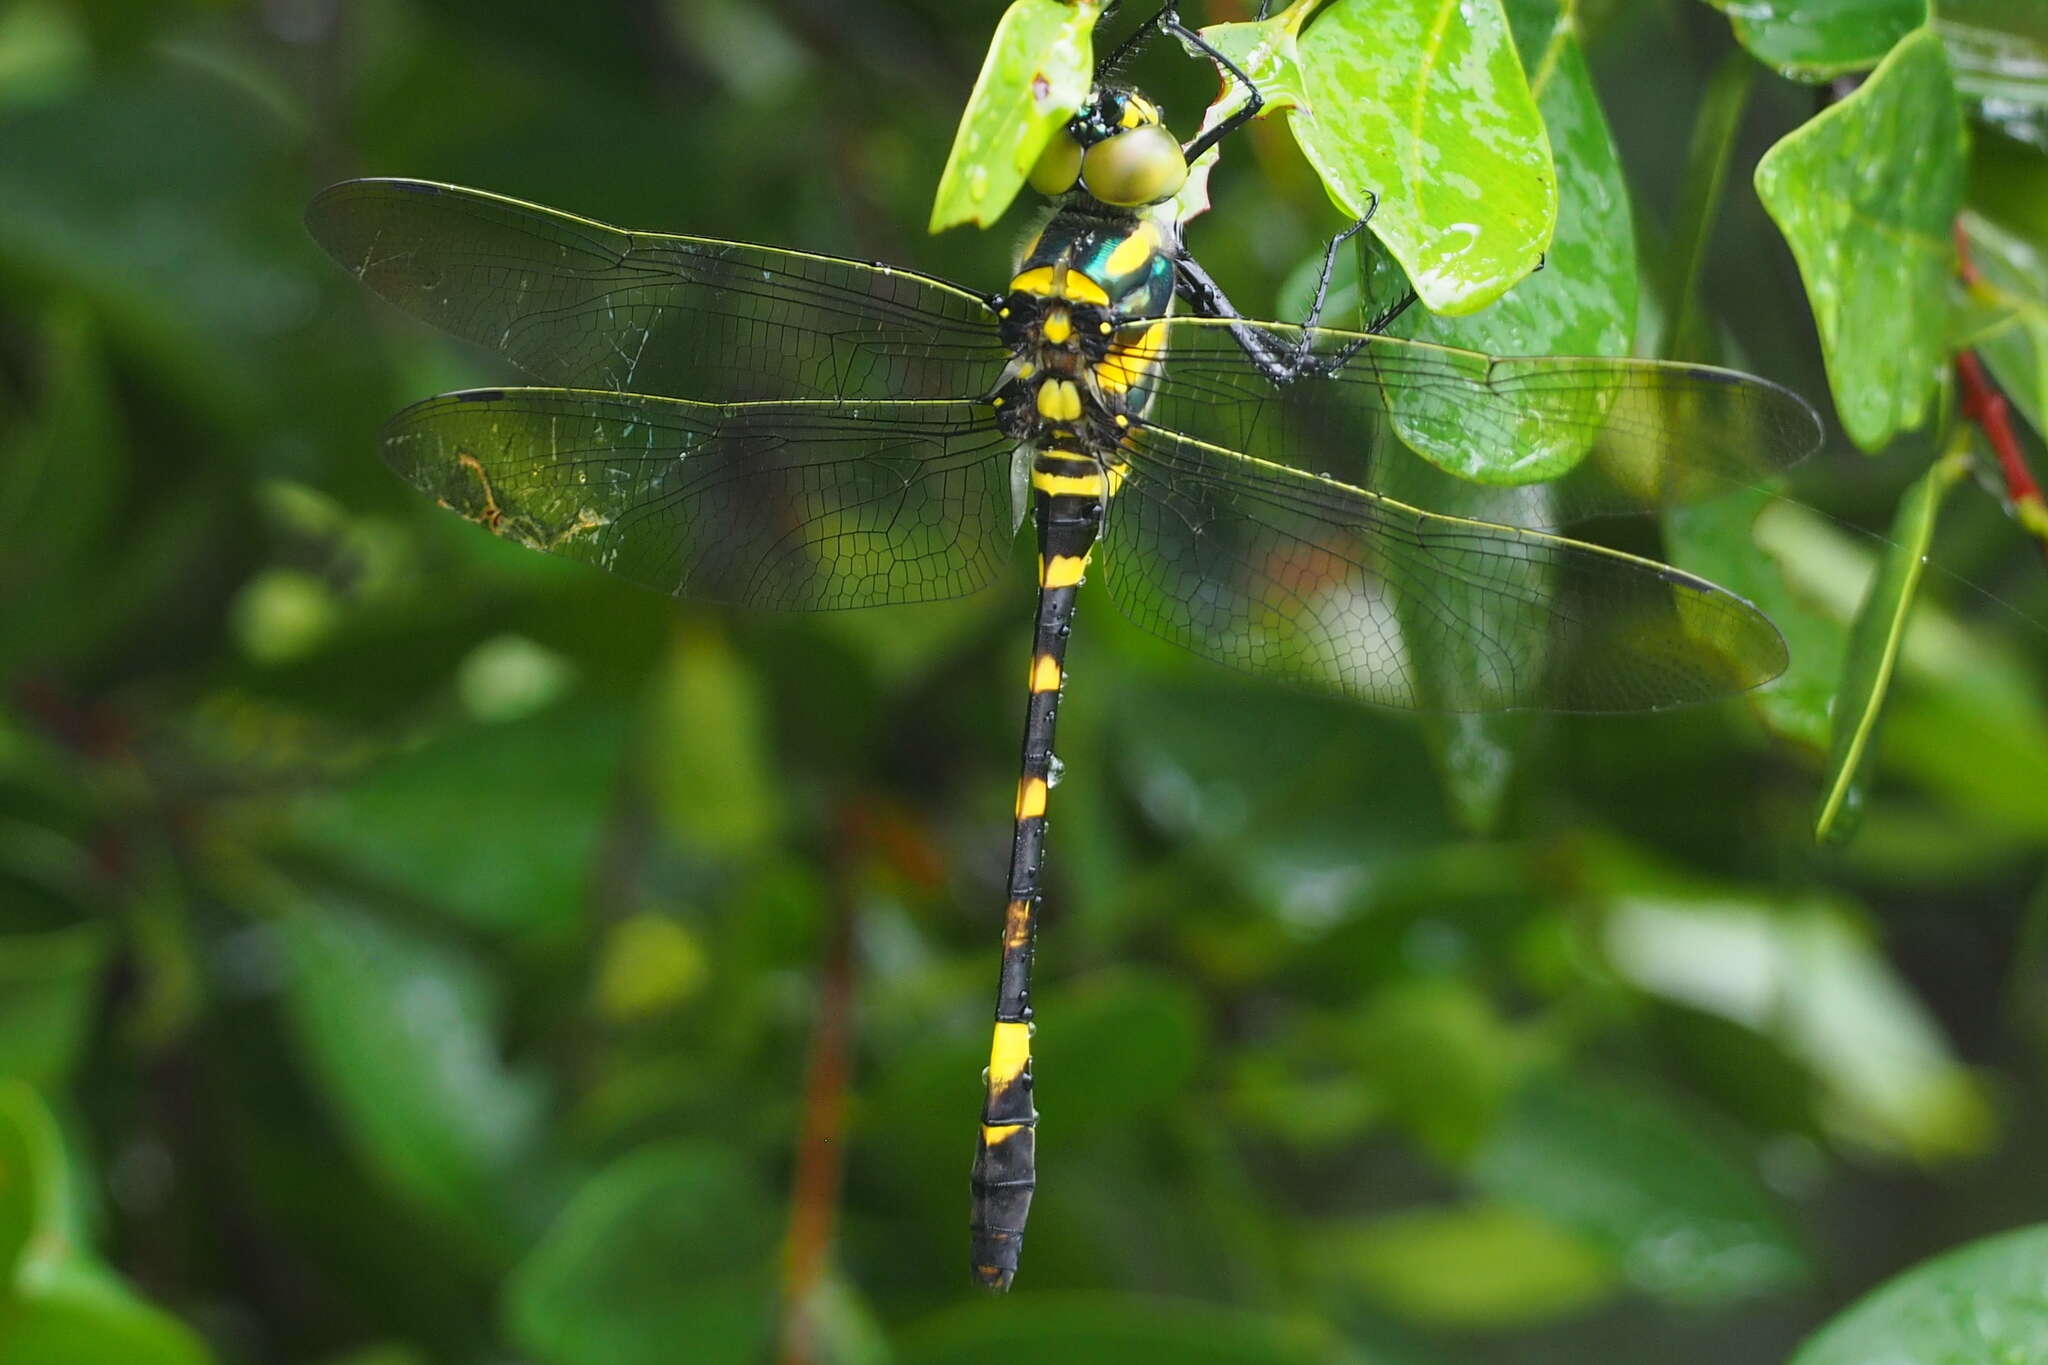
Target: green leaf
pixel 1715 128
pixel 1978 1303
pixel 2012 333
pixel 1123 1045
pixel 400 1035
pixel 706 756
pixel 2000 54
pixel 495 823
pixel 1481 1266
pixel 1866 195
pixel 1442 1061
pixel 1635 1179
pixel 1418 111
pixel 1818 40
pixel 33 1198
pixel 1036 75
pixel 48 984
pixel 85 1317
pixel 667 1254
pixel 1104 1329
pixel 1724 540
pixel 1806 977
pixel 57 1307
pixel 1874 645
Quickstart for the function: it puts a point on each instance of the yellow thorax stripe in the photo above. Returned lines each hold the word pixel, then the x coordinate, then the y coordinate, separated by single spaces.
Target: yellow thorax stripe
pixel 1058 282
pixel 1058 327
pixel 1133 251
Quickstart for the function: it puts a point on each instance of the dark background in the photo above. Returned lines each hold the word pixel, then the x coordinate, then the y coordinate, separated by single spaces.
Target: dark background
pixel 420 943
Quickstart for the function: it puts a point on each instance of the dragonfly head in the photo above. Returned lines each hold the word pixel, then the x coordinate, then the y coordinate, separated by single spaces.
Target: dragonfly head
pixel 1116 149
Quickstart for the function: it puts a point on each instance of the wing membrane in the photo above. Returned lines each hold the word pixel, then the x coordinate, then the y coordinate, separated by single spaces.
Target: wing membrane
pixel 577 303
pixel 801 506
pixel 1615 435
pixel 1287 575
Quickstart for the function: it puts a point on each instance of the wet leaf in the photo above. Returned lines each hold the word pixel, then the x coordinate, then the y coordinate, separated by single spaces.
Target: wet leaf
pixel 2000 54
pixel 1817 40
pixel 1634 1178
pixel 1866 195
pixel 1874 645
pixel 1036 75
pixel 1421 108
pixel 671 1249
pixel 400 1035
pixel 1981 1302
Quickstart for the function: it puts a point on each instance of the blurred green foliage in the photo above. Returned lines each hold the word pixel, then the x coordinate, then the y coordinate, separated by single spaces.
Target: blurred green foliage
pixel 410 948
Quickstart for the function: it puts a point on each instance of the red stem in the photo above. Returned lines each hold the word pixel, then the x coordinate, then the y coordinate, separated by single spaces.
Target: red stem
pixel 1985 405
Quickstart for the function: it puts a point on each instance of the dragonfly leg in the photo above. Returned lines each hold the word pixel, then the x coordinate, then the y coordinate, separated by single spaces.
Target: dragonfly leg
pixel 1254 98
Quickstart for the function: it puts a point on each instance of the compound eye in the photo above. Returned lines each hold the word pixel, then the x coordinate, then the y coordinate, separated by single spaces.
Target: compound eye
pixel 1142 165
pixel 1059 165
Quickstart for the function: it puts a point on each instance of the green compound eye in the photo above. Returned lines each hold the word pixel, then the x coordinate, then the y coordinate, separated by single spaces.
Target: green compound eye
pixel 1140 166
pixel 1059 165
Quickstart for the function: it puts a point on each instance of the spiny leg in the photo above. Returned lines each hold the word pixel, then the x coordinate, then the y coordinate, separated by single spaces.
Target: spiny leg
pixel 1069 492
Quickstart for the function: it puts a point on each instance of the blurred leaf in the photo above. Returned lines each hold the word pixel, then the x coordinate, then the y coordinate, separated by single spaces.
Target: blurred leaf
pixel 509 677
pixel 706 754
pixel 1874 645
pixel 1443 1061
pixel 1804 976
pixel 1715 128
pixel 2000 54
pixel 1476 756
pixel 1039 66
pixel 82 1317
pixel 1717 540
pixel 1104 1329
pixel 61 485
pixel 1115 1047
pixel 56 1306
pixel 1980 1302
pixel 283 614
pixel 649 963
pixel 1817 40
pixel 400 1036
pixel 49 983
pixel 496 824
pixel 1481 1267
pixel 1866 194
pixel 1634 1178
pixel 1386 97
pixel 669 1250
pixel 33 1199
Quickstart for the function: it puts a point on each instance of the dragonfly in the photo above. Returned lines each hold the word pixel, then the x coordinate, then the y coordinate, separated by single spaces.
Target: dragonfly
pixel 785 429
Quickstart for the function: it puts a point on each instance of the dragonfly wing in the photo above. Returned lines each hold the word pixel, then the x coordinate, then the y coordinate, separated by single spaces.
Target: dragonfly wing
pixel 1557 439
pixel 577 303
pixel 798 505
pixel 1342 590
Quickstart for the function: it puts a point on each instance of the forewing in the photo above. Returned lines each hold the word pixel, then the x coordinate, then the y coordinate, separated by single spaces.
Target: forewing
pixel 1555 439
pixel 1290 576
pixel 799 505
pixel 577 303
